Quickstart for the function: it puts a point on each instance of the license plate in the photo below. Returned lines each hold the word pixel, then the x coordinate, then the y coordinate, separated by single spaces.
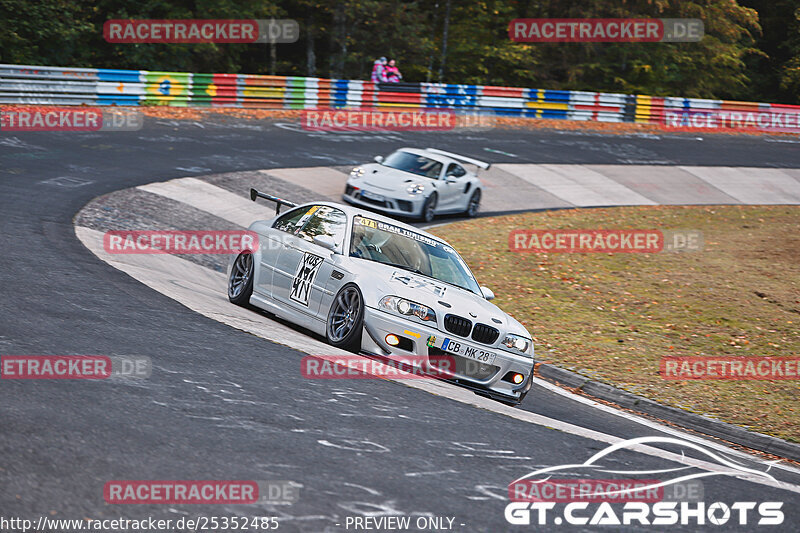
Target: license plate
pixel 373 196
pixel 457 348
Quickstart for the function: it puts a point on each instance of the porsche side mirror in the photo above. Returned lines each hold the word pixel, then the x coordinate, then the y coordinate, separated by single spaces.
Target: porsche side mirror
pixel 450 179
pixel 487 293
pixel 379 159
pixel 326 241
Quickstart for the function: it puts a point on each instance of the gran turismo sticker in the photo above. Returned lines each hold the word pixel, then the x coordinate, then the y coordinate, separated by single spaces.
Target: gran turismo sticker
pixel 414 282
pixel 368 222
pixel 304 277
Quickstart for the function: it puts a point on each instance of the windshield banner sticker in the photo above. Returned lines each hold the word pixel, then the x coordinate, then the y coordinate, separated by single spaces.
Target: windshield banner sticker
pixel 368 222
pixel 304 277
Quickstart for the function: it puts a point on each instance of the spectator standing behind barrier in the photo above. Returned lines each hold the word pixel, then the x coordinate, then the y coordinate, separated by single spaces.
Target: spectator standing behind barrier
pixel 393 73
pixel 379 71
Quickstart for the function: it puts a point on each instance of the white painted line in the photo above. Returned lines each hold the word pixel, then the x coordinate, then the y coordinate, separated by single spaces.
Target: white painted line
pixel 754 186
pixel 203 291
pixel 577 184
pixel 212 199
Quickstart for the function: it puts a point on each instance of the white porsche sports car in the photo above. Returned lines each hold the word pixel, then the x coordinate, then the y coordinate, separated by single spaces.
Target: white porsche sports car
pixel 374 285
pixel 412 182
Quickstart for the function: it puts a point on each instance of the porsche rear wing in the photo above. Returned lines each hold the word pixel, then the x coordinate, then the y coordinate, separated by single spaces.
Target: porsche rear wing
pixel 480 164
pixel 278 201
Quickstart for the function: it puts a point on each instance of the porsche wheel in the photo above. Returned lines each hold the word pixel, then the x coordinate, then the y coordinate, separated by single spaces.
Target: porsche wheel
pixel 346 319
pixel 474 203
pixel 429 208
pixel 240 283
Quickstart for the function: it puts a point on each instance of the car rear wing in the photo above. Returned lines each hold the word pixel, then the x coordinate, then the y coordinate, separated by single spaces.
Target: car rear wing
pixel 278 201
pixel 481 164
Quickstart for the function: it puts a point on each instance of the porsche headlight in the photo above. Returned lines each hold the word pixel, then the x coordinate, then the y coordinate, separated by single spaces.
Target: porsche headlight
pixel 408 308
pixel 515 342
pixel 357 172
pixel 417 188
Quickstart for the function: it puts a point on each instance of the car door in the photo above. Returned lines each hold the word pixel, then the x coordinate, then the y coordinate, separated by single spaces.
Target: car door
pixel 272 243
pixel 303 266
pixel 451 188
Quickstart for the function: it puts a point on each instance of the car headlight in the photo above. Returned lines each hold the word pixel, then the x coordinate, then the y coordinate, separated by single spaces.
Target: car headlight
pixel 517 342
pixel 407 308
pixel 417 188
pixel 357 172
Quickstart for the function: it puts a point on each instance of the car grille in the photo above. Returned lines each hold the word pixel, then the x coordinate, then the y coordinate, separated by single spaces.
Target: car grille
pixel 457 325
pixel 405 205
pixel 348 190
pixel 485 334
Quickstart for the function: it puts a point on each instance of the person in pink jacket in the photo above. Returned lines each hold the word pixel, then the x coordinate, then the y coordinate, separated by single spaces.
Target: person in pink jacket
pixel 392 72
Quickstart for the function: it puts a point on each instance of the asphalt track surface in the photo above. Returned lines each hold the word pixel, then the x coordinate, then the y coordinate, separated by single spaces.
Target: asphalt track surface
pixel 223 404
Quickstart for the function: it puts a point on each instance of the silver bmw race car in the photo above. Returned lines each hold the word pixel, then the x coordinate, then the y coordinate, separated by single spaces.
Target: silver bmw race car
pixel 417 183
pixel 374 285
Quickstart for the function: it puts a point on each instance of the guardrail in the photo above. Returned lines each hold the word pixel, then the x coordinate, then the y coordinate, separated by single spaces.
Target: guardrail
pixel 38 85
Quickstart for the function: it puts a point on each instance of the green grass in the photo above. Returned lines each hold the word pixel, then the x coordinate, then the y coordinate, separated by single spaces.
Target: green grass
pixel 613 316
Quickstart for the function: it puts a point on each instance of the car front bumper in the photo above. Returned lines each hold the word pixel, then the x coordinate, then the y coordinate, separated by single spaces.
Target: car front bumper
pixel 484 379
pixel 408 206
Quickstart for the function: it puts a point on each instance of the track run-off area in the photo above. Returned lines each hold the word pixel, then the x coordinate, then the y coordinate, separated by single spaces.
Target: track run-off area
pixel 226 399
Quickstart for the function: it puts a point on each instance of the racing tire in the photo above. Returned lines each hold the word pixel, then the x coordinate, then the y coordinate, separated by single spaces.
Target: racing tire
pixel 345 322
pixel 240 282
pixel 429 208
pixel 474 204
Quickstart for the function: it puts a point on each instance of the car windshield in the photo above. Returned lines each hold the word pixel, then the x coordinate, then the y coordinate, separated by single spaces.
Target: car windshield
pixel 392 245
pixel 415 164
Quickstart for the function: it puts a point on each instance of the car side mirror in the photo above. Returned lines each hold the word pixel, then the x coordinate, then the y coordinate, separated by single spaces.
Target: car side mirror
pixel 326 241
pixel 450 179
pixel 379 159
pixel 487 293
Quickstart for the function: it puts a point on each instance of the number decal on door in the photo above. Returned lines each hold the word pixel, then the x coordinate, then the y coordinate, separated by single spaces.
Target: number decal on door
pixel 304 277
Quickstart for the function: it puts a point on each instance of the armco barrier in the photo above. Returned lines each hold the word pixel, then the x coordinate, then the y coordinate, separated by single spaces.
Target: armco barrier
pixel 20 84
